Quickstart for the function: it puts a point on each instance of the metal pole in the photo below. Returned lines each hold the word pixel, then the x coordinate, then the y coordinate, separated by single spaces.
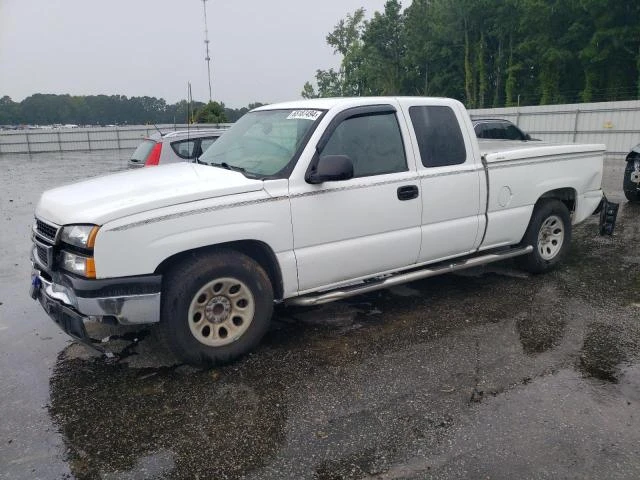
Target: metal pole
pixel 575 125
pixel 426 79
pixel 206 43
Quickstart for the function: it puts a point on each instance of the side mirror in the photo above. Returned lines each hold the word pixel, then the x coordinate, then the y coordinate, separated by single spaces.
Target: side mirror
pixel 331 167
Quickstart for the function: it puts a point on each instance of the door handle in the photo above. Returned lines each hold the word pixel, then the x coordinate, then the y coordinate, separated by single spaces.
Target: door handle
pixel 408 192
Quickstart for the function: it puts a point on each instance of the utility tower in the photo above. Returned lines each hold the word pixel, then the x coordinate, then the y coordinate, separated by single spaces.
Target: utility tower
pixel 206 43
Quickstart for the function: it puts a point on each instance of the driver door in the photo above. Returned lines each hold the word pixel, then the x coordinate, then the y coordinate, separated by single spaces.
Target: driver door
pixel 351 229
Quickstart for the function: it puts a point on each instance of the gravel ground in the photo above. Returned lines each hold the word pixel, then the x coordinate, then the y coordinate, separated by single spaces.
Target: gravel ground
pixel 491 373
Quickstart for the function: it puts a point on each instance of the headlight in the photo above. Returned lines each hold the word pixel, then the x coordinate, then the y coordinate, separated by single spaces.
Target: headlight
pixel 78 264
pixel 83 236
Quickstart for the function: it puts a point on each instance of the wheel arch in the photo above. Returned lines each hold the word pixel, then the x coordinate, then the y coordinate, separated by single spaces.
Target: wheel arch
pixel 255 249
pixel 566 195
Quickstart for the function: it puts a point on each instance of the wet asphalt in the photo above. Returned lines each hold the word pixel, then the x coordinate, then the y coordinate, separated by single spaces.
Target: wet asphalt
pixel 487 374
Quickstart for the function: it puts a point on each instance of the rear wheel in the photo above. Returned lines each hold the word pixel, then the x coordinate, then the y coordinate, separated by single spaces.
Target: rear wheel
pixel 630 188
pixel 549 232
pixel 215 307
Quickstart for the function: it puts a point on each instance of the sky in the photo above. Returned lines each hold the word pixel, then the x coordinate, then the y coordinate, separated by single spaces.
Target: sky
pixel 261 50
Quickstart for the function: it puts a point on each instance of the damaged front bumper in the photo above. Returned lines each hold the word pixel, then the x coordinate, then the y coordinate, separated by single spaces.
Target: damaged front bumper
pixel 71 301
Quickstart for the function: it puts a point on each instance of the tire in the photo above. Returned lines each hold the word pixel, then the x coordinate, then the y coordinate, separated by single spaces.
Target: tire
pixel 215 308
pixel 549 232
pixel 631 190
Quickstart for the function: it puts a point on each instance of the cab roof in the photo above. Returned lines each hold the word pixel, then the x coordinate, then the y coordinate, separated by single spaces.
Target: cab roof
pixel 329 103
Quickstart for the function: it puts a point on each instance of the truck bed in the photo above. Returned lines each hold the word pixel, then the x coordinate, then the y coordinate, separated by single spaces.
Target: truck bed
pixel 505 150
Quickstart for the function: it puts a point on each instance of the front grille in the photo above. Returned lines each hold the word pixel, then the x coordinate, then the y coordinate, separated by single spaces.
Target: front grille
pixel 47 231
pixel 42 255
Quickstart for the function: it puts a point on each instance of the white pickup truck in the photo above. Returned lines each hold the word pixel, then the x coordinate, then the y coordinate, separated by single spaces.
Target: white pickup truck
pixel 304 203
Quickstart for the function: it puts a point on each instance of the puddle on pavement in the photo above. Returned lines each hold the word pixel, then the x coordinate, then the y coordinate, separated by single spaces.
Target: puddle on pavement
pixel 147 413
pixel 207 423
pixel 542 324
pixel 603 351
pixel 604 269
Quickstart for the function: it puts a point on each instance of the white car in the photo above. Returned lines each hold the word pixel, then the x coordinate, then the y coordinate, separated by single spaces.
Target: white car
pixel 304 203
pixel 173 147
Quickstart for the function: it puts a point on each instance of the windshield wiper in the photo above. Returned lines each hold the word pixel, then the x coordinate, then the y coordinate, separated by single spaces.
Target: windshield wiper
pixel 234 168
pixel 226 166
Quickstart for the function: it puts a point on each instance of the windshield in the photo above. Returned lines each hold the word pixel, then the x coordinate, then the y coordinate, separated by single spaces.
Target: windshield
pixel 261 143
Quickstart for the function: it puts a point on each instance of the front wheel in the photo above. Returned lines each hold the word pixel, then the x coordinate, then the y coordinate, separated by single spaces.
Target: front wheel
pixel 549 232
pixel 215 307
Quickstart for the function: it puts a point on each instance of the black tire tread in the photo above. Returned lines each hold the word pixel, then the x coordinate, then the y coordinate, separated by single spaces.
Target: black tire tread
pixel 533 262
pixel 181 282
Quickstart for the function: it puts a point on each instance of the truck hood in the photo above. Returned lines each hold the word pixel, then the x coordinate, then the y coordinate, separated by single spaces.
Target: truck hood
pixel 102 199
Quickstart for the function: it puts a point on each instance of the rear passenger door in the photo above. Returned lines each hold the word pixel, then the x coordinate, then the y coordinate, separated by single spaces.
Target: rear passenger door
pixel 452 210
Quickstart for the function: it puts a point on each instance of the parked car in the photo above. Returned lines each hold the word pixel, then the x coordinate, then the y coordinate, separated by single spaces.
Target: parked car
pixel 631 181
pixel 498 129
pixel 304 203
pixel 173 147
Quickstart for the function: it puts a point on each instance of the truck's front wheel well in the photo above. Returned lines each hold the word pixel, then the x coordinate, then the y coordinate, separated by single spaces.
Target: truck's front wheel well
pixel 258 251
pixel 565 195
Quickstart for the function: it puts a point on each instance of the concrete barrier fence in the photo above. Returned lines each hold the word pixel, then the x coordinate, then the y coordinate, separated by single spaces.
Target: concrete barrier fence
pixel 48 140
pixel 616 124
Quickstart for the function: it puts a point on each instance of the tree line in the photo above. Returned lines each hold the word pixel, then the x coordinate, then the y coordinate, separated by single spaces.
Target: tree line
pixel 47 109
pixel 488 53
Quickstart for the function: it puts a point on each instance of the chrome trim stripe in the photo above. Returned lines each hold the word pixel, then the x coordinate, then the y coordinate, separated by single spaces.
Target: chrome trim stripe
pixel 312 193
pixel 197 212
pixel 353 187
pixel 257 202
pixel 450 172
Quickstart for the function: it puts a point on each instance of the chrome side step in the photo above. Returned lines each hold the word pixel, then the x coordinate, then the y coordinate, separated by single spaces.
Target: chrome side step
pixel 431 271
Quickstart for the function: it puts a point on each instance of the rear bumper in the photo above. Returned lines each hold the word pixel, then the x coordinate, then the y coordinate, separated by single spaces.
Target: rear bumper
pixel 126 301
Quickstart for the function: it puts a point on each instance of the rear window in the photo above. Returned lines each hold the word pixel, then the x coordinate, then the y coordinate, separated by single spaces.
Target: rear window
pixel 439 137
pixel 143 150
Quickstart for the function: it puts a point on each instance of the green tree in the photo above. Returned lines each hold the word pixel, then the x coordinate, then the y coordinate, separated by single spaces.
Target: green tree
pixel 212 112
pixel 384 47
pixel 349 80
pixel 308 91
pixel 9 111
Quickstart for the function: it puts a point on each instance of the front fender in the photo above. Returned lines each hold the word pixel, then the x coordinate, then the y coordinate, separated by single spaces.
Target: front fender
pixel 136 245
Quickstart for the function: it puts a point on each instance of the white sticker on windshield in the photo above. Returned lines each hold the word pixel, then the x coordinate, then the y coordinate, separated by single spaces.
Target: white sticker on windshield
pixel 304 115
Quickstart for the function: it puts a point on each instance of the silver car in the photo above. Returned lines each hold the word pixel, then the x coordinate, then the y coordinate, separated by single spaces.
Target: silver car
pixel 172 147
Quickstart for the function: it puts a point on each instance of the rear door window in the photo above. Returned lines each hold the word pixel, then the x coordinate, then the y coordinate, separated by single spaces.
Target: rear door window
pixel 495 131
pixel 184 148
pixel 513 133
pixel 206 143
pixel 439 136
